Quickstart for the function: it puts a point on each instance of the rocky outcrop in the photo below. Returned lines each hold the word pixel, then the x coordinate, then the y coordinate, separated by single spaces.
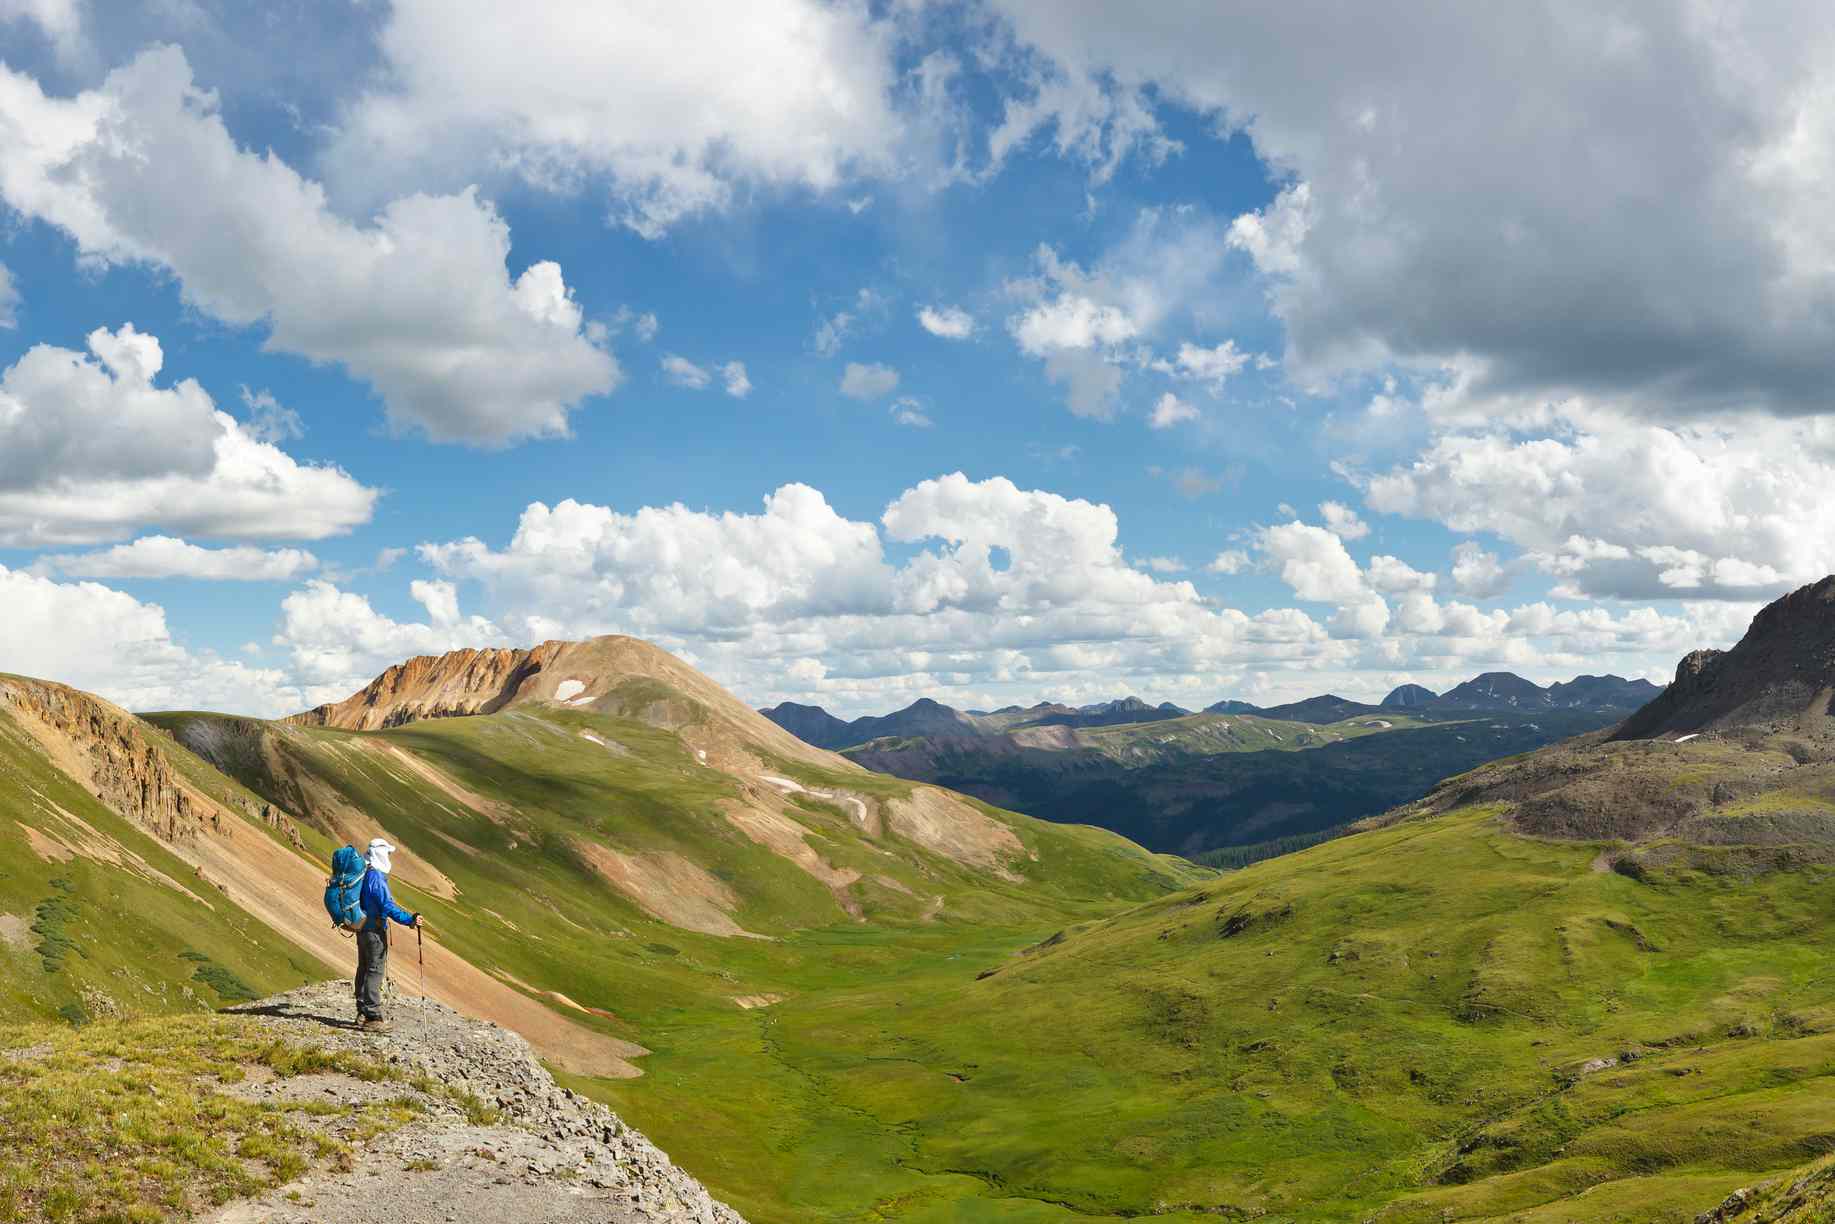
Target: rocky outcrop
pixel 523 1148
pixel 111 752
pixel 1783 670
pixel 458 683
pixel 1802 1197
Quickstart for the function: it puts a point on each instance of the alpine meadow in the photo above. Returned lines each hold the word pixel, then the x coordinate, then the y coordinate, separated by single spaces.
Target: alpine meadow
pixel 917 611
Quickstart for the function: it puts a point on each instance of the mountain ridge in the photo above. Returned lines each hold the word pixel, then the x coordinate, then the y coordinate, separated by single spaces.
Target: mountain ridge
pixel 1488 691
pixel 1781 670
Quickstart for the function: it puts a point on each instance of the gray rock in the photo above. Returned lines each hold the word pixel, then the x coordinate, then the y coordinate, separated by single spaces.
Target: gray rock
pixel 575 1161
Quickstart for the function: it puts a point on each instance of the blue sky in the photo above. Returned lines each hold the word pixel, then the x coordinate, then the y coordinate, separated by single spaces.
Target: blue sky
pixel 988 351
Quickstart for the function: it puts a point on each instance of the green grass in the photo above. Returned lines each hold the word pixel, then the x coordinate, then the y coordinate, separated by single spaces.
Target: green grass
pixel 129 1120
pixel 1390 1024
pixel 93 939
pixel 1397 1024
pixel 51 923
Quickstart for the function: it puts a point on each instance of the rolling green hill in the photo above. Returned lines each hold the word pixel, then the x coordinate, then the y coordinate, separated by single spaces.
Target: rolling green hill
pixel 1593 982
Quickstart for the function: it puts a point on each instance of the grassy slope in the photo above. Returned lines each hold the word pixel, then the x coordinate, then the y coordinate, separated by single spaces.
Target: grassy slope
pixel 130 1121
pixel 1391 1024
pixel 85 938
pixel 730 1092
pixel 1399 1018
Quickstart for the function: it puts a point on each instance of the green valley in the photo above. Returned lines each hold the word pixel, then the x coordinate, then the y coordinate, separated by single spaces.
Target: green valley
pixel 1592 982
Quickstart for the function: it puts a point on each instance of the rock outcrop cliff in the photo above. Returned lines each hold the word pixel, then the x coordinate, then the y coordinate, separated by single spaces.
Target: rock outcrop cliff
pixel 109 751
pixel 1782 671
pixel 547 1153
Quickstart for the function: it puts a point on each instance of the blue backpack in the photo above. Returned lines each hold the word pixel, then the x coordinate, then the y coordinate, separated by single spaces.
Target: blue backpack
pixel 343 888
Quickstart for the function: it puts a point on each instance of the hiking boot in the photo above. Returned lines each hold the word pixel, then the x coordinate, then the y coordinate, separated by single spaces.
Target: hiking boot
pixel 374 1024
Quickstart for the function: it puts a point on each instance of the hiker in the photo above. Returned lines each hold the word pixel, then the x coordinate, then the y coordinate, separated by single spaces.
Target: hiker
pixel 373 936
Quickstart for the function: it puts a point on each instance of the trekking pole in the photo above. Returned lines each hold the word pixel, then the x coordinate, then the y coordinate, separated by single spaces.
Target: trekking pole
pixel 420 949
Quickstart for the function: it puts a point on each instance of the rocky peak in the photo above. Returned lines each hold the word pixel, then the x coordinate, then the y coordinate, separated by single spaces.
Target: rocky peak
pixel 928 705
pixel 1505 688
pixel 1232 705
pixel 1782 670
pixel 431 686
pixel 1408 696
pixel 616 675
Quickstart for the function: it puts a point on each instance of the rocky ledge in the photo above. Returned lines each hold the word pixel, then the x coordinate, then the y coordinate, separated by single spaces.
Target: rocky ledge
pixel 549 1154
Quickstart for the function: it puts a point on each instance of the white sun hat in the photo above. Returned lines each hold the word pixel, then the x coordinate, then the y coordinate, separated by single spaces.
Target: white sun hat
pixel 379 853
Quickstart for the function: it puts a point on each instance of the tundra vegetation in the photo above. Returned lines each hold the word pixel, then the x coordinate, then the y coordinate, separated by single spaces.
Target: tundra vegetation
pixel 1588 983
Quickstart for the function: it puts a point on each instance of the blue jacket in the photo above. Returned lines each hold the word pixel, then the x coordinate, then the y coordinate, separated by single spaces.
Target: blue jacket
pixel 378 905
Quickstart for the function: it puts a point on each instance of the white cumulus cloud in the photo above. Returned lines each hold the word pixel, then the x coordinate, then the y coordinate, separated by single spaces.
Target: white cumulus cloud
pixel 909 412
pixel 168 557
pixel 737 382
pixel 1704 132
pixel 949 322
pixel 106 642
pixel 685 373
pixel 1342 521
pixel 1477 573
pixel 1613 506
pixel 9 299
pixel 338 642
pixel 92 448
pixel 1088 324
pixel 997 589
pixel 675 107
pixel 419 302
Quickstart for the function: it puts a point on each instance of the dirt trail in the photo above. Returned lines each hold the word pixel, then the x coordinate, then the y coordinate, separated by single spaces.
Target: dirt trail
pixel 549 1156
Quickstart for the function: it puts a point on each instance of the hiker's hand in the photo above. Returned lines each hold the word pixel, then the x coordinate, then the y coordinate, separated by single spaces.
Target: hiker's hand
pixel 417 920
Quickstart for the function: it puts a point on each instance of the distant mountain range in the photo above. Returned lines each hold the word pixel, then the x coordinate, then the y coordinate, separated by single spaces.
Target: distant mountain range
pixel 1489 691
pixel 1230 776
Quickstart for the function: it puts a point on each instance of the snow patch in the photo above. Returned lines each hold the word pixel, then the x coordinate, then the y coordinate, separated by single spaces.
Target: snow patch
pixel 784 784
pixel 609 745
pixel 566 690
pixel 862 814
pixel 1683 739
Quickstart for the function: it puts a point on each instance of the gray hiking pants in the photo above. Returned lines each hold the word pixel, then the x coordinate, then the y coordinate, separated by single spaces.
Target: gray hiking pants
pixel 372 969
